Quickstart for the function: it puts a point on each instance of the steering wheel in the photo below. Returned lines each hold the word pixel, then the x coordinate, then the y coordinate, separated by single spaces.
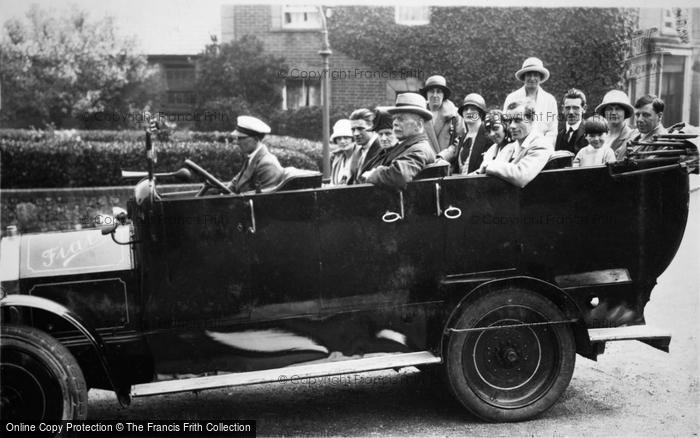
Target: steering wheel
pixel 209 179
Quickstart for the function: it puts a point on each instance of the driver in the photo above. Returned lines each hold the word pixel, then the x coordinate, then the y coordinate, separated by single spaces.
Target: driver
pixel 260 170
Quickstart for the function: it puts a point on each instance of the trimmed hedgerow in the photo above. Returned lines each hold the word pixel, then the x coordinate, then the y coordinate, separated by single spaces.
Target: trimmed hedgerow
pixel 73 162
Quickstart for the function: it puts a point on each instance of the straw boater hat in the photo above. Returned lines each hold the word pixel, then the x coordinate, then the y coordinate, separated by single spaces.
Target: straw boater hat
pixel 532 64
pixel 436 81
pixel 342 128
pixel 412 103
pixel 474 100
pixel 616 97
pixel 247 126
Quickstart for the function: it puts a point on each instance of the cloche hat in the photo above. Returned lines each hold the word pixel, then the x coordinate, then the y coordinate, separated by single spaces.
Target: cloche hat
pixel 532 64
pixel 341 128
pixel 382 119
pixel 436 81
pixel 474 100
pixel 615 97
pixel 411 103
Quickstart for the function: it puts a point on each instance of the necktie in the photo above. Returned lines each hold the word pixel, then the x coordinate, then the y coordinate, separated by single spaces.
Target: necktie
pixel 570 133
pixel 245 166
pixel 464 153
pixel 238 177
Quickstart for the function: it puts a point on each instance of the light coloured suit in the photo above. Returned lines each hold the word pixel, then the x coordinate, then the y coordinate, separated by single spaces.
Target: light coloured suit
pixel 546 112
pixel 619 145
pixel 520 165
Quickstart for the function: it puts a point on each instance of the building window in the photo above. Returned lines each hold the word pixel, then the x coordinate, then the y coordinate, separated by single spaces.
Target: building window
pixel 668 27
pixel 300 17
pixel 180 78
pixel 181 97
pixel 412 15
pixel 301 93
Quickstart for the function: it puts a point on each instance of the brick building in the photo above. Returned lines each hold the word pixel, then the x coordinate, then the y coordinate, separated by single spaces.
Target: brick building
pixel 176 75
pixel 294 32
pixel 664 59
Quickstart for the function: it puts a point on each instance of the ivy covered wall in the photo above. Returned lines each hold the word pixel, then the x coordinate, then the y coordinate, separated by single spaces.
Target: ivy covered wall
pixel 480 49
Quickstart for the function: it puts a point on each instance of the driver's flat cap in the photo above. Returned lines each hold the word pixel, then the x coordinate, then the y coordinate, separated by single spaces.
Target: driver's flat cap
pixel 250 126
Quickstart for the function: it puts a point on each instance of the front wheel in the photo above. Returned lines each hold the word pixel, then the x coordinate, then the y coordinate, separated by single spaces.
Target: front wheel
pixel 39 378
pixel 513 373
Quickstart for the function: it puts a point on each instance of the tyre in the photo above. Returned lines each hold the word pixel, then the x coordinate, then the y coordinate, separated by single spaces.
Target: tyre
pixel 39 378
pixel 512 373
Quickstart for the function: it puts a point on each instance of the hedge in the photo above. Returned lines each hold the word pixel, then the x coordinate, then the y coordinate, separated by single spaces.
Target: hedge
pixel 59 161
pixel 478 49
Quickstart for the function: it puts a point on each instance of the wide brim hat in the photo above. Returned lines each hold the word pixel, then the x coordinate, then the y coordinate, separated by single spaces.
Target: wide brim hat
pixel 616 97
pixel 474 100
pixel 248 126
pixel 532 64
pixel 412 103
pixel 341 128
pixel 436 81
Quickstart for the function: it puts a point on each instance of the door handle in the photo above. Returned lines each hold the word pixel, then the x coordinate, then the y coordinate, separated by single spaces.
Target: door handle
pixel 392 216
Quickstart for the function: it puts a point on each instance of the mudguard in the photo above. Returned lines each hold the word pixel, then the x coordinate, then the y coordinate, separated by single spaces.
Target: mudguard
pixel 559 297
pixel 95 340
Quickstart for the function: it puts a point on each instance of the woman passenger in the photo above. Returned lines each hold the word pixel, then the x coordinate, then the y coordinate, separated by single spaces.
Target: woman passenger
pixel 341 160
pixel 498 133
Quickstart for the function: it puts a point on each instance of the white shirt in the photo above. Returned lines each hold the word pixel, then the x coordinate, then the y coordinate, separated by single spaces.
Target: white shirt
pixel 590 156
pixel 365 149
pixel 573 127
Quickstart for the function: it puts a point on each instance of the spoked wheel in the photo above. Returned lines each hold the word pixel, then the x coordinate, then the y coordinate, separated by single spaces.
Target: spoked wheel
pixel 512 373
pixel 39 378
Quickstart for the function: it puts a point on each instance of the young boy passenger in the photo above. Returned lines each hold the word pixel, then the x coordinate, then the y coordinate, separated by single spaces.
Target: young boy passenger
pixel 595 153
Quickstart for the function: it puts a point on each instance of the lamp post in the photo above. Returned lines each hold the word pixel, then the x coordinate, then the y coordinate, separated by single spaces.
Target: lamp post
pixel 325 53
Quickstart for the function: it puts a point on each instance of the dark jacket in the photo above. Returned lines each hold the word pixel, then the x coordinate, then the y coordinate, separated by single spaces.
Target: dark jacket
pixel 402 162
pixel 263 172
pixel 374 149
pixel 578 140
pixel 476 155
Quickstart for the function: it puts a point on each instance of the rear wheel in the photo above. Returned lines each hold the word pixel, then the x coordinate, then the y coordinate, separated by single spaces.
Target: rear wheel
pixel 511 373
pixel 39 378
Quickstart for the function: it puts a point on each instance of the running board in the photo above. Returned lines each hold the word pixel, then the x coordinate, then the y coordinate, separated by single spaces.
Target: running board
pixel 652 336
pixel 284 374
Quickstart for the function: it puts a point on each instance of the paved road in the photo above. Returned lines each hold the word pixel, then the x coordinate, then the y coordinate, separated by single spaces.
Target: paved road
pixel 632 390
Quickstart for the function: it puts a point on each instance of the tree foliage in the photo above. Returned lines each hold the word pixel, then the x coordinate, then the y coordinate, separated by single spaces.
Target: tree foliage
pixel 479 49
pixel 55 68
pixel 239 77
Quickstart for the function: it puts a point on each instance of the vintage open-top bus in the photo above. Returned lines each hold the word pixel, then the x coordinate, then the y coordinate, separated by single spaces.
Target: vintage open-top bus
pixel 498 286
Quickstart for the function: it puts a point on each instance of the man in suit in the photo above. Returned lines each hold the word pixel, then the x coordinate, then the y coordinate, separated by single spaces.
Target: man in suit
pixel 530 149
pixel 467 154
pixel 361 121
pixel 260 170
pixel 648 115
pixel 413 152
pixel 573 138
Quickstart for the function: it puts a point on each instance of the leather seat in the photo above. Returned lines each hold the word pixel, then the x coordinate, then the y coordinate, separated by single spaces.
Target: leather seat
pixel 560 160
pixel 434 170
pixel 297 179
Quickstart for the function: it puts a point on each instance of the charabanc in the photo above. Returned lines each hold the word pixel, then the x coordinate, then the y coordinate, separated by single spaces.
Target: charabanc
pixel 498 287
